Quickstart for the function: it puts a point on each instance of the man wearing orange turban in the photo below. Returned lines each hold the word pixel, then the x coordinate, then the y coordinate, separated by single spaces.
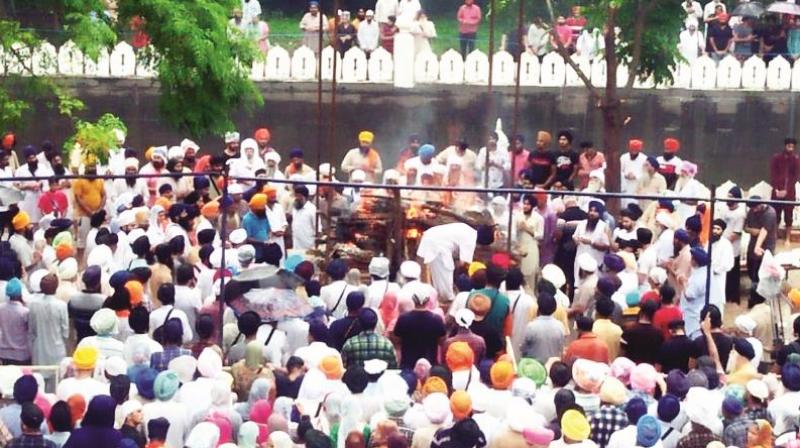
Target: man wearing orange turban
pixel 256 224
pixel 276 215
pixel 262 137
pixel 364 158
pixel 668 163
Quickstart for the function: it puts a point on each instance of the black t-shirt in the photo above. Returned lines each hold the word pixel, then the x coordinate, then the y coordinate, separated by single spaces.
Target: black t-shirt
pixel 786 350
pixel 419 332
pixel 675 354
pixel 284 387
pixel 565 165
pixel 643 343
pixel 343 329
pixel 724 346
pixel 540 163
pixel 493 339
pixel 720 35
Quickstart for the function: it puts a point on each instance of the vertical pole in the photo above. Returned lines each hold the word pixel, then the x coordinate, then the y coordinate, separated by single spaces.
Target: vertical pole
pixel 224 238
pixel 491 44
pixel 709 268
pixel 332 120
pixel 515 125
pixel 319 115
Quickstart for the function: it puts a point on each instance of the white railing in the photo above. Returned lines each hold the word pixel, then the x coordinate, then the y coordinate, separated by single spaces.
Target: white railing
pixel 427 68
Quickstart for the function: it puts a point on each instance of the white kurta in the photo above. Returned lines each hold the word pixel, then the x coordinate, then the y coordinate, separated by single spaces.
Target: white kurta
pixel 630 168
pixel 303 227
pixel 721 263
pixel 530 231
pixel 693 300
pixel 276 216
pixel 496 175
pixel 30 199
pixel 439 245
pixel 598 235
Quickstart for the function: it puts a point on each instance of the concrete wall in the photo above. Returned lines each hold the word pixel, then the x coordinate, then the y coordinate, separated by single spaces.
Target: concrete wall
pixel 729 134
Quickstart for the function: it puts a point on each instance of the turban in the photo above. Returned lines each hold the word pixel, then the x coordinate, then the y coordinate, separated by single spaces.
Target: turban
pixel 545 137
pixel 433 385
pixel 632 298
pixel 410 269
pixel 436 407
pixel 272 156
pixel 538 436
pixel 700 256
pixel 25 389
pixel 697 378
pixel 553 274
pixel 688 168
pixel 132 162
pixel 160 152
pixel 460 404
pixel 502 375
pixel 635 409
pixel 84 358
pixel 648 431
pixel 794 297
pixel 175 152
pixel 245 253
pixel 677 383
pixel 29 151
pixel 735 192
pixel 136 291
pixel 262 134
pixel 474 267
pixel 621 369
pixel 532 369
pixel 426 150
pixel 732 406
pixel 612 391
pixel 9 140
pixel 209 363
pixel 575 426
pixel 586 262
pixel 459 357
pixel 682 236
pixel 258 201
pixel 144 383
pixel 20 221
pixel 702 409
pixel 379 267
pixel 614 262
pixel 331 366
pixel 304 269
pixel 201 182
pixel 643 378
pixel 14 288
pixel 166 385
pixel 672 145
pixel 501 259
pixel 296 153
pixel 271 192
pixel 358 176
pixel 790 377
pixel 694 223
pixel 164 203
pixel 635 145
pixel 669 406
pixel 337 268
pixel 366 137
pixel 480 305
pixel 758 389
pixel 607 286
pixel 653 162
pixel 103 322
pixel 744 348
pixel 210 209
pixel 599 206
pixel 589 375
pixel 231 137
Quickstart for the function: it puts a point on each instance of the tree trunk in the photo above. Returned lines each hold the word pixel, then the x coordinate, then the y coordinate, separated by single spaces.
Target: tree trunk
pixel 611 108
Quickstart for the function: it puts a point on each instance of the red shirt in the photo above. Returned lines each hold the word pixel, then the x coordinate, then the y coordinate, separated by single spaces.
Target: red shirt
pixel 665 315
pixel 784 170
pixel 587 346
pixel 53 201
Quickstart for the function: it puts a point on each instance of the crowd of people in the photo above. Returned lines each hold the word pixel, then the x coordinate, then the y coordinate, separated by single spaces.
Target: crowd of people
pixel 593 331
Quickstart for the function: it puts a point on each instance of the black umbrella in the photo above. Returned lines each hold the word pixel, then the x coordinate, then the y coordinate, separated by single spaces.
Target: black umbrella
pixel 749 9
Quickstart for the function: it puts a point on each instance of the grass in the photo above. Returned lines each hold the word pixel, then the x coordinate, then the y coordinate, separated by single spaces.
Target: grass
pixel 285 31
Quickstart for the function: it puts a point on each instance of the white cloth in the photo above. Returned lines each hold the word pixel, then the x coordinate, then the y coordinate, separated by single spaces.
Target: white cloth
pixel 437 247
pixel 250 9
pixel 697 10
pixel 106 346
pixel 631 168
pixel 303 227
pixel 30 199
pixel 276 216
pixel 23 248
pixel 384 9
pixel 313 353
pixel 377 289
pixel 86 387
pixel 189 301
pixel 137 342
pixel 691 44
pixel 433 168
pixel 176 413
pixel 623 438
pixel 423 31
pixel 520 304
pixel 330 295
pixel 496 175
pixel 407 10
pixel 734 221
pixel 368 34
pixel 784 411
pixel 693 300
pixel 598 235
pixel 721 263
pixel 159 315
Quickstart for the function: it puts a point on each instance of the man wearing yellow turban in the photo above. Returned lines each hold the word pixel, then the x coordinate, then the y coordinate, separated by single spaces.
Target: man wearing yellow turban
pixel 364 158
pixel 22 240
pixel 256 224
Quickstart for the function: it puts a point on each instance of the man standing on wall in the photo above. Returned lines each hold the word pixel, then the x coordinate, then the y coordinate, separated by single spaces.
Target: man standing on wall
pixel 469 17
pixel 784 170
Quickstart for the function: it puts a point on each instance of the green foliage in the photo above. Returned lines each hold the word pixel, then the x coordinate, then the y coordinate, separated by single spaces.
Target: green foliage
pixel 88 26
pixel 659 47
pixel 92 141
pixel 203 70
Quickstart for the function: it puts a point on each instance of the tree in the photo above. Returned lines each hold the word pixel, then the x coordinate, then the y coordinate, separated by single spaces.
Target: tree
pixel 641 35
pixel 203 66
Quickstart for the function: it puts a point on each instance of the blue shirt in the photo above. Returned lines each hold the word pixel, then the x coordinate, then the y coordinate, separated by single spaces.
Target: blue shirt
pixel 257 228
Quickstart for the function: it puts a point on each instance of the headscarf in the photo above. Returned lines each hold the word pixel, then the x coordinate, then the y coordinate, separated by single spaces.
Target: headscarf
pixel 764 439
pixel 100 413
pixel 204 435
pixel 259 391
pixel 352 419
pixel 248 435
pixel 260 414
pixel 254 356
pixel 77 407
pixel 388 310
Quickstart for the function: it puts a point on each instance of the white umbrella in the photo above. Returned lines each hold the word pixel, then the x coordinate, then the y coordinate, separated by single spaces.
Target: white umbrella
pixel 785 8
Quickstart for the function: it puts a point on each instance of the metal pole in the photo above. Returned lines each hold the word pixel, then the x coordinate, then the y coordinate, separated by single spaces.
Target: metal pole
pixel 332 124
pixel 515 125
pixel 319 115
pixel 709 268
pixel 491 43
pixel 224 238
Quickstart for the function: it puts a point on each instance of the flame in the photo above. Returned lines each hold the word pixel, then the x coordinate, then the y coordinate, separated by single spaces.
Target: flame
pixel 413 234
pixel 413 212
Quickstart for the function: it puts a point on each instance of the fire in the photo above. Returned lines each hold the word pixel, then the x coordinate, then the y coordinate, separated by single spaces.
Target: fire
pixel 413 234
pixel 413 212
